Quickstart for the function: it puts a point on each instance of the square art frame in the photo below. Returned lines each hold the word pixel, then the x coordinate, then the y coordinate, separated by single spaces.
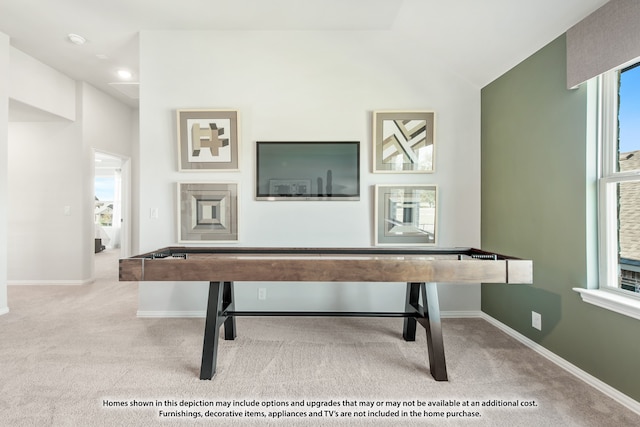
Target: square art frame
pixel 403 141
pixel 207 212
pixel 208 140
pixel 406 215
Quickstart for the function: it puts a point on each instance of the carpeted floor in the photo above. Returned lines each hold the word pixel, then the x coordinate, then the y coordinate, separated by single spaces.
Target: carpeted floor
pixel 77 355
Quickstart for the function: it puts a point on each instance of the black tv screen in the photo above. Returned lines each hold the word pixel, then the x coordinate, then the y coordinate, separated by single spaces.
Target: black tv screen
pixel 307 170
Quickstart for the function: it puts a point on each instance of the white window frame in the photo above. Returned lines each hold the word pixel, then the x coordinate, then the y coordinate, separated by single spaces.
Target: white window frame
pixel 608 294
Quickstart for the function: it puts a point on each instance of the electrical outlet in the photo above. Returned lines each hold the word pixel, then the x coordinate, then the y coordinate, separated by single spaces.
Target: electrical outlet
pixel 262 293
pixel 536 320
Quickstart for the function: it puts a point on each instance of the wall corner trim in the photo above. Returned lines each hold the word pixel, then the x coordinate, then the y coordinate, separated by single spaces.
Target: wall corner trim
pixel 4 310
pixel 594 382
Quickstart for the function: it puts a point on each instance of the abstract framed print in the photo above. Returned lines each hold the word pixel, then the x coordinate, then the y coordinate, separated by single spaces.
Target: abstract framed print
pixel 207 212
pixel 208 140
pixel 403 141
pixel 405 214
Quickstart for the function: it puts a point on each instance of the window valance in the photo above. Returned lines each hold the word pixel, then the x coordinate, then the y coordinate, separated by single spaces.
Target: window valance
pixel 607 39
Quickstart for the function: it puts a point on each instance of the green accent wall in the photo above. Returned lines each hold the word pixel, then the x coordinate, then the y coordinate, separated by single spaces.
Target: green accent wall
pixel 538 202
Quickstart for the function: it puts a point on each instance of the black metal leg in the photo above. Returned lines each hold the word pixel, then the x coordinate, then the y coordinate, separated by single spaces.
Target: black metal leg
pixel 433 326
pixel 411 304
pixel 228 302
pixel 221 300
pixel 211 331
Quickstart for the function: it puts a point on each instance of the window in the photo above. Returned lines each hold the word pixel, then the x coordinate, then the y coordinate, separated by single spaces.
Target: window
pixel 629 192
pixel 105 195
pixel 619 194
pixel 619 189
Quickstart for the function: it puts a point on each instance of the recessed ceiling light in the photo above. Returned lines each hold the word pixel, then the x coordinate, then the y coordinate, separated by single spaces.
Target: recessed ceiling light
pixel 76 39
pixel 124 74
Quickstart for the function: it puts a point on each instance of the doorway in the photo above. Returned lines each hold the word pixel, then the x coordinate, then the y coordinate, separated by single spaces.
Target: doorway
pixel 112 203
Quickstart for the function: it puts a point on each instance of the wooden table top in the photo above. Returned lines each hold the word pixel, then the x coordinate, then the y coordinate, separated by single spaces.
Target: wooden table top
pixel 377 264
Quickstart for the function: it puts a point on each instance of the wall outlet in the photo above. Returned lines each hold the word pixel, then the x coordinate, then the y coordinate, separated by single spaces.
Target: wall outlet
pixel 536 320
pixel 262 293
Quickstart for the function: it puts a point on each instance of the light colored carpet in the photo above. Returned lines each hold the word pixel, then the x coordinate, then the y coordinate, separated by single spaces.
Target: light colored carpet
pixel 69 353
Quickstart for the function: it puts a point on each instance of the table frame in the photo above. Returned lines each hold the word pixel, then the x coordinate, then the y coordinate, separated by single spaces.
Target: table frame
pixel 414 266
pixel 221 311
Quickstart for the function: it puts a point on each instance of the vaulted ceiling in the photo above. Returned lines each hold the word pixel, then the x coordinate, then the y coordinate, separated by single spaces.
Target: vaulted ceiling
pixel 480 40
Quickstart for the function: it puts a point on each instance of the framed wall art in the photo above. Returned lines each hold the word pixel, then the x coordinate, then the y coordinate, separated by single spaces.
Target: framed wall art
pixel 403 141
pixel 208 140
pixel 207 212
pixel 405 214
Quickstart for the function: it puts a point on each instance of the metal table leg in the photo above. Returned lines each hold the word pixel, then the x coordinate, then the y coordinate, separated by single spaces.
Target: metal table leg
pixel 433 327
pixel 228 304
pixel 211 331
pixel 411 304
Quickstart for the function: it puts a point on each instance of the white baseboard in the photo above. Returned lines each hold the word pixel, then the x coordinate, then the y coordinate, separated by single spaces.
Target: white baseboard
pixel 49 282
pixel 4 310
pixel 170 314
pixel 460 314
pixel 599 385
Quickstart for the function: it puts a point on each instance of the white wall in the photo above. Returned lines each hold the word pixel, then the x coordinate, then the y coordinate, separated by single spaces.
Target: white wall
pixel 36 84
pixel 50 193
pixel 45 175
pixel 132 171
pixel 306 86
pixel 109 127
pixel 106 124
pixel 4 160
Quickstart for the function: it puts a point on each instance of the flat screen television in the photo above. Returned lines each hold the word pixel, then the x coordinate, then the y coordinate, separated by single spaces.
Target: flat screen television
pixel 316 170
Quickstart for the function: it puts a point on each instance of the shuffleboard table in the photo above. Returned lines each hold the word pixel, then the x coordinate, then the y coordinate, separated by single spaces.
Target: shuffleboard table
pixel 421 269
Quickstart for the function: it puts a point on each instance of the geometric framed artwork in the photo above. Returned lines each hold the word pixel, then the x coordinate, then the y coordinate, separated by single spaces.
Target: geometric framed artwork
pixel 403 141
pixel 207 212
pixel 406 214
pixel 207 140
